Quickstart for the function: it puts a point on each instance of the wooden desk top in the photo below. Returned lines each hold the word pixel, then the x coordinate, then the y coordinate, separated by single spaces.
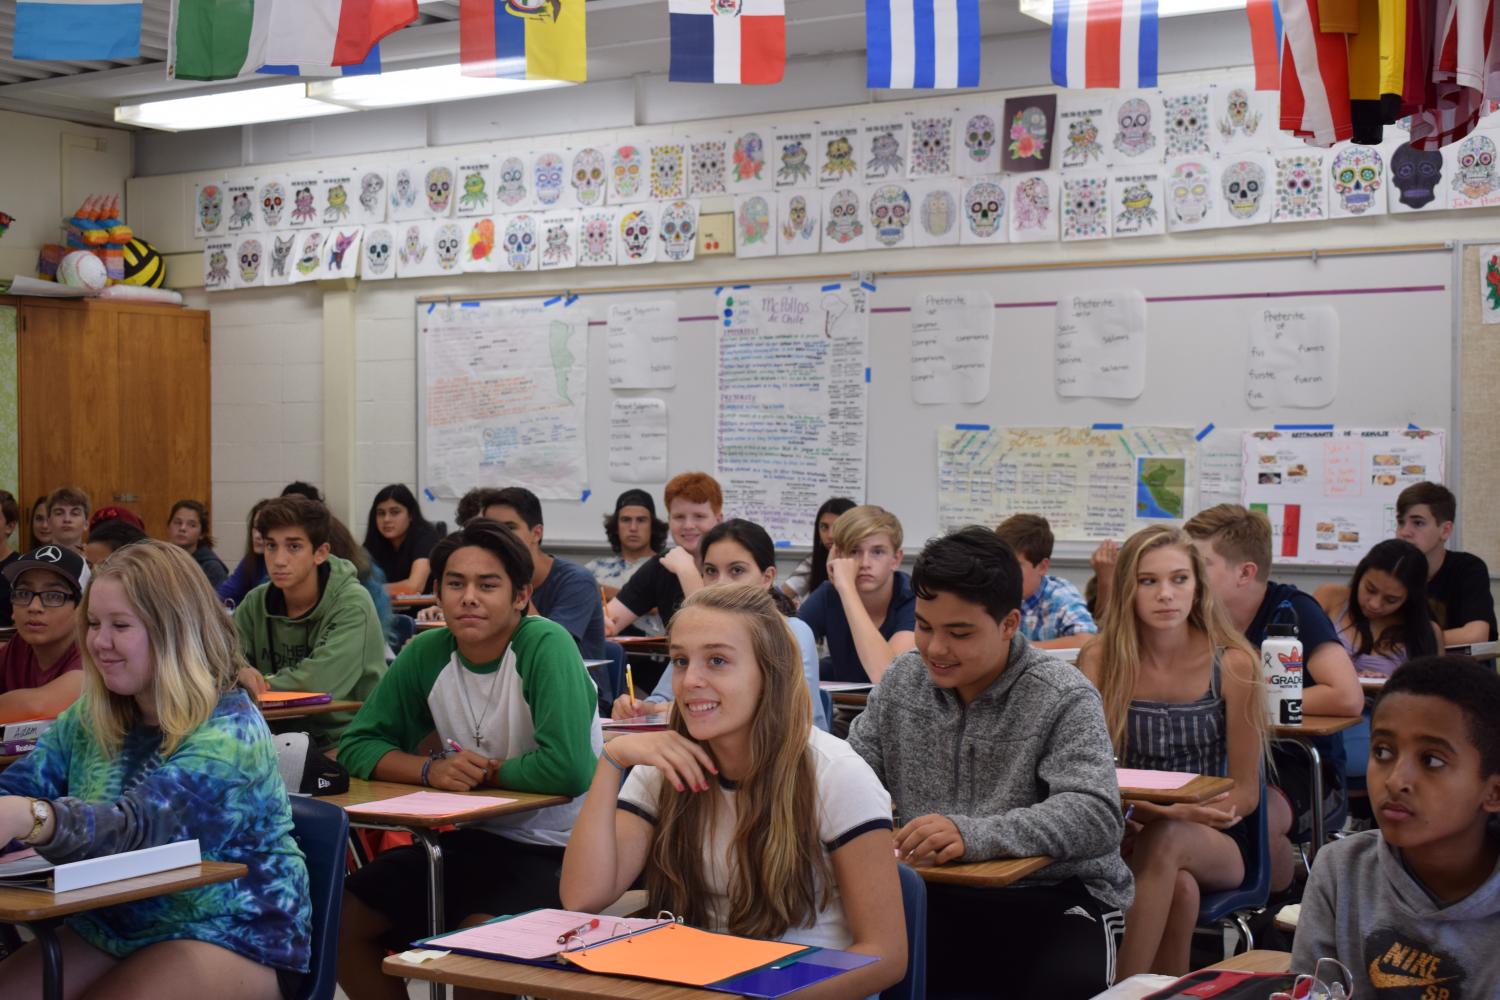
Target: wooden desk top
pixel 1317 725
pixel 860 698
pixel 1257 961
pixel 494 976
pixel 641 643
pixel 298 711
pixel 984 874
pixel 1200 789
pixel 17 905
pixel 429 626
pixel 361 791
pixel 413 601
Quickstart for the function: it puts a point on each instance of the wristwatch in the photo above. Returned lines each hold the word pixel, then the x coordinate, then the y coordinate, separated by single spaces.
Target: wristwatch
pixel 41 811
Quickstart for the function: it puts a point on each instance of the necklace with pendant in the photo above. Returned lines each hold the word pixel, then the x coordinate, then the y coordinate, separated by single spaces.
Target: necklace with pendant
pixel 477 720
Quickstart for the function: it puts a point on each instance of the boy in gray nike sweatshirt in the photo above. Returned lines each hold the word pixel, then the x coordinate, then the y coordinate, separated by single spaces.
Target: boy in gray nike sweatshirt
pixel 991 749
pixel 1413 909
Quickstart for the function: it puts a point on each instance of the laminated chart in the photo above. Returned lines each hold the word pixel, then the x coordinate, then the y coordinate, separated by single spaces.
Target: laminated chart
pixel 792 394
pixel 1088 482
pixel 505 387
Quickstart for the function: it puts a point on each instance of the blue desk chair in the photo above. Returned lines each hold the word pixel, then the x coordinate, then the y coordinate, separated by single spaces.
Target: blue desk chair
pixel 914 902
pixel 321 829
pixel 1230 910
pixel 827 700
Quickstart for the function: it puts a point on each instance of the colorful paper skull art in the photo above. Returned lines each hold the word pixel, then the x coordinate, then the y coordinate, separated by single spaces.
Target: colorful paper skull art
pixel 1137 209
pixel 635 233
pixel 708 166
pixel 413 249
pixel 890 214
pixel 1416 174
pixel 666 171
pixel 404 190
pixel 1476 177
pixel 1188 193
pixel 1238 118
pixel 1243 185
pixel 512 190
pixel 312 253
pixel 548 173
pixel 1186 124
pixel 446 242
pixel 1357 172
pixel 1028 134
pixel 679 228
pixel 931 146
pixel 218 269
pixel 754 220
pixel 885 155
pixel 1299 187
pixel 627 171
pixel 1083 142
pixel 475 196
pixel 520 242
pixel 1133 135
pixel 588 177
pixel 210 207
pixel 838 158
pixel 1033 204
pixel 378 251
pixel 241 216
pixel 439 190
pixel 371 187
pixel 979 138
pixel 939 212
pixel 272 203
pixel 557 245
pixel 984 209
pixel 794 167
pixel 338 204
pixel 749 156
pixel 281 252
pixel 597 246
pixel 1086 210
pixel 843 217
pixel 250 253
pixel 798 224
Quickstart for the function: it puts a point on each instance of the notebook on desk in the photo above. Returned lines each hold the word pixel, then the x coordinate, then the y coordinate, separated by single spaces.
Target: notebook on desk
pixel 25 869
pixel 293 699
pixel 636 724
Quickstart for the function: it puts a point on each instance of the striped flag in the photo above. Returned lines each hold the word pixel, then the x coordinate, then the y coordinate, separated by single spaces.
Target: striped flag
pixel 727 41
pixel 77 29
pixel 1104 43
pixel 224 39
pixel 912 44
pixel 1265 42
pixel 370 67
pixel 526 39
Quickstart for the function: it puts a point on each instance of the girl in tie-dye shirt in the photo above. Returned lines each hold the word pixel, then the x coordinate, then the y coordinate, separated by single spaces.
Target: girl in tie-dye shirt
pixel 164 747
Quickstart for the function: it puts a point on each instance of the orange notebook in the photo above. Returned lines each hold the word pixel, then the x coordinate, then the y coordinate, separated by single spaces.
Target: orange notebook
pixel 681 954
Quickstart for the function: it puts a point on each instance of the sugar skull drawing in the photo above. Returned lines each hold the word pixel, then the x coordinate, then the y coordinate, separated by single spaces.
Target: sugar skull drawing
pixel 588 177
pixel 1299 187
pixel 1033 205
pixel 218 269
pixel 1083 142
pixel 931 146
pixel 838 158
pixel 371 186
pixel 1137 209
pixel 843 217
pixel 754 218
pixel 1133 135
pixel 1357 173
pixel 413 248
pixel 1416 174
pixel 547 172
pixel 241 216
pixel 520 242
pixel 1475 176
pixel 378 251
pixel 312 254
pixel 984 208
pixel 210 208
pixel 1186 124
pixel 249 260
pixel 512 190
pixel 597 244
pixel 281 252
pixel 979 137
pixel 749 157
pixel 799 223
pixel 338 204
pixel 708 166
pixel 794 167
pixel 557 246
pixel 445 242
pixel 635 233
pixel 302 206
pixel 1238 118
pixel 1085 208
pixel 403 190
pixel 885 156
pixel 890 214
pixel 1189 194
pixel 475 196
pixel 627 171
pixel 482 240
pixel 1028 134
pixel 1243 185
pixel 666 171
pixel 272 203
pixel 439 190
pixel 939 213
pixel 679 228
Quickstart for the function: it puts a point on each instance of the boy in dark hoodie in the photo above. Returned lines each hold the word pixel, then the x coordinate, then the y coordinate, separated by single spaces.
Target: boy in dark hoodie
pixel 1413 908
pixel 311 626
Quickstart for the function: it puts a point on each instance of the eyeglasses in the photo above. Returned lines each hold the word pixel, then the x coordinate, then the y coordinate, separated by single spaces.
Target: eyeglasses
pixel 21 597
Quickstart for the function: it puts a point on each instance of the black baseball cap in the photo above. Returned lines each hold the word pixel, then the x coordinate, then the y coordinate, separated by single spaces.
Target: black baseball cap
pixel 59 559
pixel 636 498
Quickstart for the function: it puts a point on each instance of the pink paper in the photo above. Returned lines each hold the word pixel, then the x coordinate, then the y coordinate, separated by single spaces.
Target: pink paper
pixel 534 935
pixel 432 805
pixel 1159 781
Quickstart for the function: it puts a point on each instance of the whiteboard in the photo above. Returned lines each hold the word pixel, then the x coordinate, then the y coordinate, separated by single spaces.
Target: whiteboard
pixel 1396 367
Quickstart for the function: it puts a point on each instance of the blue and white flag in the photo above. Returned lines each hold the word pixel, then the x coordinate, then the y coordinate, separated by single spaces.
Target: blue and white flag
pixel 926 44
pixel 72 30
pixel 370 67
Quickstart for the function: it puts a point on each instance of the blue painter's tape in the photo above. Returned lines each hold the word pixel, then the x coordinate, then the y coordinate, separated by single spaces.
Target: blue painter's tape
pixel 1412 427
pixel 1109 427
pixel 867 286
pixel 971 427
pixel 469 305
pixel 867 376
pixel 570 300
pixel 738 287
pixel 430 307
pixel 428 493
pixel 783 545
pixel 719 290
pixel 1205 432
pixel 833 287
pixel 1302 427
pixel 552 301
pixel 585 497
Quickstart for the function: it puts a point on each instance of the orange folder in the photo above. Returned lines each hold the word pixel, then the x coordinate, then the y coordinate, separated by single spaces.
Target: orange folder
pixel 288 699
pixel 681 954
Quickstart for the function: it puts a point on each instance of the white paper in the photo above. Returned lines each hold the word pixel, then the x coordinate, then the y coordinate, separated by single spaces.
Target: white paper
pixel 1101 345
pixel 1489 284
pixel 1034 201
pixel 982 210
pixel 1243 118
pixel 337 194
pixel 377 258
pixel 754 225
pixel 679 231
pixel 210 208
pixel 1246 182
pixel 1294 357
pixel 843 219
pixel 1137 203
pixel 883 149
pixel 415 256
pixel 800 228
pixel 596 237
pixel 272 202
pixel 217 255
pixel 403 192
pixel 792 156
pixel 1474 166
pixel 1085 206
pixel 518 237
pixel 559 238
pixel 952 342
pixel 1220 465
pixel 302 204
pixel 247 269
pixel 309 258
pixel 1356 177
pixel 708 164
pixel 937 215
pixel 668 170
pixel 839 161
pixel 476 179
pixel 549 186
pixel 281 249
pixel 931 145
pixel 239 202
pixel 635 234
pixel 1301 186
pixel 482 253
pixel 513 189
pixel 369 201
pixel 642 338
pixel 341 251
pixel 888 208
pixel 1185 123
pixel 749 167
pixel 1192 194
pixel 447 246
pixel 1133 131
pixel 588 176
pixel 976 146
pixel 1081 120
pixel 638 440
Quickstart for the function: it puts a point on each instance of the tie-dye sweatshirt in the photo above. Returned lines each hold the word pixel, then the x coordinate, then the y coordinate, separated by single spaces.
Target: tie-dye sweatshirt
pixel 219 786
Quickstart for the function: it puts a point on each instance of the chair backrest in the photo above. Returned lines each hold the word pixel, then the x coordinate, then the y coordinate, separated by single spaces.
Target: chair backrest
pixel 1259 880
pixel 322 831
pixel 914 901
pixel 615 653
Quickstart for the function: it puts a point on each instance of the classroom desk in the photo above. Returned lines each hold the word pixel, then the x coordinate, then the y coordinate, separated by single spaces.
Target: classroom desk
pixel 1202 788
pixel 494 976
pixel 407 602
pixel 1302 736
pixel 1478 650
pixel 41 912
pixel 984 874
pixel 1259 960
pixel 857 698
pixel 641 643
pixel 298 711
pixel 424 830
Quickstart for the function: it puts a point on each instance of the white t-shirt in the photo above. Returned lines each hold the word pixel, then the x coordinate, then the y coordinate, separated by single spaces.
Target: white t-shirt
pixel 851 801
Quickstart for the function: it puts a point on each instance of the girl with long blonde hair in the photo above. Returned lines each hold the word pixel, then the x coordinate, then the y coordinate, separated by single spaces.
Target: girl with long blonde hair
pixel 743 816
pixel 1181 692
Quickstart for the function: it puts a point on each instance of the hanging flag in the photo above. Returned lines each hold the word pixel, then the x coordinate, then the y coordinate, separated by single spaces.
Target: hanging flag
pixel 1265 42
pixel 727 41
pixel 1104 43
pixel 913 44
pixel 223 39
pixel 370 67
pixel 71 30
pixel 525 39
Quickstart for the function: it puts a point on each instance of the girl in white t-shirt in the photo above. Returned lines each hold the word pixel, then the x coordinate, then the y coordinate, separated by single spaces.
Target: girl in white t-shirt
pixel 744 817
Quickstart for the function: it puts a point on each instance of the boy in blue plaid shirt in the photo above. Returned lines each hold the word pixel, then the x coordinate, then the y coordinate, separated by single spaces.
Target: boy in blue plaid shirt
pixel 1054 614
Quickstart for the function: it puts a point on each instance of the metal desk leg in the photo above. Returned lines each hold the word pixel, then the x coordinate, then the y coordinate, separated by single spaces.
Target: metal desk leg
pixel 429 840
pixel 1319 822
pixel 52 973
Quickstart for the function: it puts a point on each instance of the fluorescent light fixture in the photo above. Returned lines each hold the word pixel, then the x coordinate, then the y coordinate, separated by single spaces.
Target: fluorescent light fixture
pixel 428 85
pixel 229 107
pixel 1042 9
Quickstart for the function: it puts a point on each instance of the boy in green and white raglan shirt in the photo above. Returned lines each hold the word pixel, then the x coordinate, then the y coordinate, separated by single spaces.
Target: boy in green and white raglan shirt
pixel 512 693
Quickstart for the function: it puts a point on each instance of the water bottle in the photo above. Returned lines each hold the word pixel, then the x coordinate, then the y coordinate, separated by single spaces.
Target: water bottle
pixel 1281 667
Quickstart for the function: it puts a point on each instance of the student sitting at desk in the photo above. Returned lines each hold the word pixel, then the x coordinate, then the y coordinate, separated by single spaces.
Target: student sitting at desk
pixel 163 747
pixel 1458 583
pixel 1413 908
pixel 41 671
pixel 743 817
pixel 188 528
pixel 250 572
pixel 399 540
pixel 695 503
pixel 1054 614
pixel 812 571
pixel 511 693
pixel 864 610
pixel 635 536
pixel 68 516
pixel 1382 615
pixel 992 749
pixel 106 537
pixel 1182 692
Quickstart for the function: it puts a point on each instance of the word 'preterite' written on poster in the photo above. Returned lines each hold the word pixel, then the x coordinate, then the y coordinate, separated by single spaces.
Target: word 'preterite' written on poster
pixel 952 341
pixel 1090 484
pixel 642 339
pixel 1101 345
pixel 790 428
pixel 1331 494
pixel 638 440
pixel 1294 357
pixel 504 386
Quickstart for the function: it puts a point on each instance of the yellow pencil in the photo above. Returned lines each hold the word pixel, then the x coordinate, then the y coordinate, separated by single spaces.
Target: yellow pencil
pixel 630 681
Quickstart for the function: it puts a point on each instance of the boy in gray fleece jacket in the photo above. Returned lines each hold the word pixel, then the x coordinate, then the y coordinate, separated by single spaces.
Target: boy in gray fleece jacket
pixel 1413 908
pixel 991 749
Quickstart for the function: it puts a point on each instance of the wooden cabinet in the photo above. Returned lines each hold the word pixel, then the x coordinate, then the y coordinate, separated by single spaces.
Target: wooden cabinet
pixel 114 398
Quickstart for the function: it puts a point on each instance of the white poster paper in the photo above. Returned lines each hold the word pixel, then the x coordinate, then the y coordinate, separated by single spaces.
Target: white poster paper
pixel 481 251
pixel 513 191
pixel 1136 203
pixel 890 217
pixel 588 174
pixel 519 242
pixel 642 338
pixel 754 225
pixel 843 219
pixel 937 217
pixel 1489 284
pixel 596 237
pixel 272 202
pixel 1192 195
pixel 952 342
pixel 931 145
pixel 1185 123
pixel 438 193
pixel 638 440
pixel 1294 357
pixel 559 236
pixel 1101 345
pixel 447 246
pixel 882 147
pixel 748 166
pixel 1133 131
pixel 279 249
pixel 800 229
pixel 1081 119
pixel 635 234
pixel 337 195
pixel 976 153
pixel 404 192
pixel 377 261
pixel 1300 186
pixel 216 267
pixel 249 264
pixel 477 182
pixel 669 179
pixel 1085 206
pixel 838 158
pixel 549 188
pixel 240 197
pixel 414 254
pixel 341 252
pixel 679 231
pixel 1245 183
pixel 308 260
pixel 209 208
pixel 369 205
pixel 1243 118
pixel 1034 201
pixel 792 157
pixel 708 163
pixel 982 208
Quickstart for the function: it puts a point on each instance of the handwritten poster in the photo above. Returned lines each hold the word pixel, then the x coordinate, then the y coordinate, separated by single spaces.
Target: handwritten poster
pixel 952 341
pixel 638 440
pixel 1331 493
pixel 1101 345
pixel 792 396
pixel 642 338
pixel 504 391
pixel 1220 466
pixel 1090 484
pixel 1294 357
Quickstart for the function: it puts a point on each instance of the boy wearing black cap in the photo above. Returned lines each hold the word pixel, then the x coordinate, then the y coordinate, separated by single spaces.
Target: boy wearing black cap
pixel 42 673
pixel 635 535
